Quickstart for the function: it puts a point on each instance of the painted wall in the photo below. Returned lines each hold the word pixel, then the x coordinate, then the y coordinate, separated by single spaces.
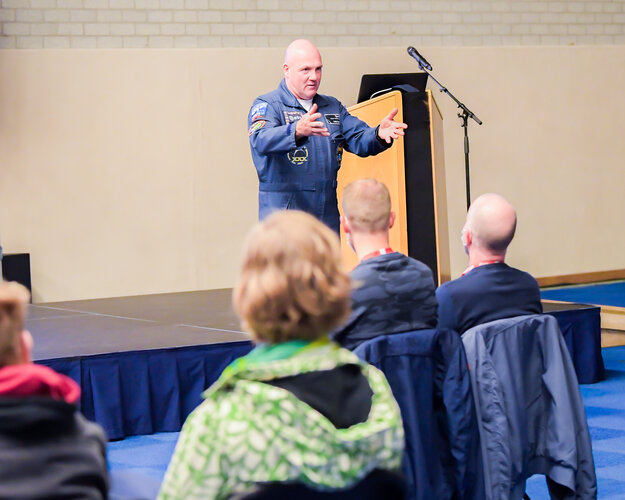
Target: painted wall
pixel 127 172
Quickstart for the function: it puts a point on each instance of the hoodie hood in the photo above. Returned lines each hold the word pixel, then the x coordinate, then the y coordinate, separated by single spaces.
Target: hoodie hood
pixel 24 380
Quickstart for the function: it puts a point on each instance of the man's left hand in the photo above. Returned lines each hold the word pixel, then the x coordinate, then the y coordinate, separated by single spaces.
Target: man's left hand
pixel 390 129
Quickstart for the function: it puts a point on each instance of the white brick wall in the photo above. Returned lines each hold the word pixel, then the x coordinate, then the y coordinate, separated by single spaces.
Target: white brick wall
pixel 272 23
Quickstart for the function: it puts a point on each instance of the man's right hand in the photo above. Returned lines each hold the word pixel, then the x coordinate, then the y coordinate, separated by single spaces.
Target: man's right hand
pixel 308 125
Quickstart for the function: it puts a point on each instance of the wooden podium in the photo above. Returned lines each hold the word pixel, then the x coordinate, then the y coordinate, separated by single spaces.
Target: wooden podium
pixel 414 172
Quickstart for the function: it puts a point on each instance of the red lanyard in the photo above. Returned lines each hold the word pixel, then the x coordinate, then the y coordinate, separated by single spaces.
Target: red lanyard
pixel 484 263
pixel 381 251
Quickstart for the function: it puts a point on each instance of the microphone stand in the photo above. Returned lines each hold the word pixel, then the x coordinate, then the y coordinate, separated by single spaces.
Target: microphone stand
pixel 464 115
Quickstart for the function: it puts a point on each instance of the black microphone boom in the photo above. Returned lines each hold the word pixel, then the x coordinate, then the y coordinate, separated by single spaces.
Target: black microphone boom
pixel 464 115
pixel 419 58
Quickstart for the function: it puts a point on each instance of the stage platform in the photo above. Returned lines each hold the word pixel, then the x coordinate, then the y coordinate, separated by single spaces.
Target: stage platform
pixel 610 296
pixel 142 362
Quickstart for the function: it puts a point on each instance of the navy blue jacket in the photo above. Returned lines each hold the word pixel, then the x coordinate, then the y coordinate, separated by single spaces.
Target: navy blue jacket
pixel 392 293
pixel 428 374
pixel 487 293
pixel 301 175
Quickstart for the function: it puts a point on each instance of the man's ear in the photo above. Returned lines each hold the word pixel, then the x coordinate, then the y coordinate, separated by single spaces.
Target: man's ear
pixel 391 219
pixel 467 239
pixel 285 69
pixel 26 347
pixel 345 223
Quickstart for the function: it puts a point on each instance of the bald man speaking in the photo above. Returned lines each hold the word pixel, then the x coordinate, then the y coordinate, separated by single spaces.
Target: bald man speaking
pixel 297 138
pixel 489 289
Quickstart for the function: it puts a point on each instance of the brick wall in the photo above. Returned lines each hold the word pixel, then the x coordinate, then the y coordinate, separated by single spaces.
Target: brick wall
pixel 272 23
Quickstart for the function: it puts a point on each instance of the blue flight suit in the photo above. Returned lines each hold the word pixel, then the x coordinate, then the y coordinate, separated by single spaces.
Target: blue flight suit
pixel 301 175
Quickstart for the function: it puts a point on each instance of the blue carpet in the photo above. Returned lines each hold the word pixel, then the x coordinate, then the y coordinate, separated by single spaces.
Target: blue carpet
pixel 608 294
pixel 605 411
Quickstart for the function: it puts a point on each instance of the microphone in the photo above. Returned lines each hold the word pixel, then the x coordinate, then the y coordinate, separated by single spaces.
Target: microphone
pixel 419 58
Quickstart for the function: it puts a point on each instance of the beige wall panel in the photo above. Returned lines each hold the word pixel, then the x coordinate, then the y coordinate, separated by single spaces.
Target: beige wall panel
pixel 552 142
pixel 126 171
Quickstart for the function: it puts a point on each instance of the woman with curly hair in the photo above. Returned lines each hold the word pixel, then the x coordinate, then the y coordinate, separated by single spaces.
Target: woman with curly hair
pixel 298 408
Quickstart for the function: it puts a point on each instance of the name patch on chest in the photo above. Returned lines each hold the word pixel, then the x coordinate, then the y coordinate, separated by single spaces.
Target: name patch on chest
pixel 292 116
pixel 333 119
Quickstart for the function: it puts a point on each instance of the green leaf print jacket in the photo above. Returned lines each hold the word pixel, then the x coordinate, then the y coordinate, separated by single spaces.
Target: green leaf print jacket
pixel 248 431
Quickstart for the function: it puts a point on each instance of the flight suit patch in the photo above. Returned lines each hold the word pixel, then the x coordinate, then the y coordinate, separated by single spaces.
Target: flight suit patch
pixel 292 116
pixel 256 126
pixel 258 110
pixel 298 156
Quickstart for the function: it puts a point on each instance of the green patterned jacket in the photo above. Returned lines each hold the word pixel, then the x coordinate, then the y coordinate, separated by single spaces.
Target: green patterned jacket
pixel 247 431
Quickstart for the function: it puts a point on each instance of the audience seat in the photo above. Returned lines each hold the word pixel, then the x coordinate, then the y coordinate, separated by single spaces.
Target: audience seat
pixel 530 411
pixel 427 371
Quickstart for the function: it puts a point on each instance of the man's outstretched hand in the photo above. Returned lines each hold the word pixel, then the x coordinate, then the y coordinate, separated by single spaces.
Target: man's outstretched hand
pixel 308 125
pixel 390 129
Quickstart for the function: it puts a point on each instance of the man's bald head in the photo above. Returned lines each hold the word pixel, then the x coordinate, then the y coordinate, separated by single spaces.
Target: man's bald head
pixel 367 205
pixel 492 222
pixel 302 69
pixel 300 48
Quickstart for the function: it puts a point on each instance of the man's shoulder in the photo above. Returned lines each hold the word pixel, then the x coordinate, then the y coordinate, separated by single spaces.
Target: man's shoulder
pixel 468 281
pixel 449 286
pixel 522 273
pixel 482 275
pixel 516 275
pixel 272 96
pixel 417 264
pixel 394 267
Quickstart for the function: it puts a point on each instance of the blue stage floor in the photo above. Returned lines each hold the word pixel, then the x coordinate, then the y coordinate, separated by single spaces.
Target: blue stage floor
pixel 605 294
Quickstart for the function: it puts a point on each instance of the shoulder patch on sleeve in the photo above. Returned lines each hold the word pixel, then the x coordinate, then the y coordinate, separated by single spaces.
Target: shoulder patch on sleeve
pixel 258 110
pixel 256 126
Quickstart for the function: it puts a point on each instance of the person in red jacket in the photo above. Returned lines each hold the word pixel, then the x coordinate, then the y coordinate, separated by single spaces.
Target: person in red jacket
pixel 47 448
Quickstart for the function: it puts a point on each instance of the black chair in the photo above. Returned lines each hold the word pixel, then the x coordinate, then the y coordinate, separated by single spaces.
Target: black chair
pixel 375 486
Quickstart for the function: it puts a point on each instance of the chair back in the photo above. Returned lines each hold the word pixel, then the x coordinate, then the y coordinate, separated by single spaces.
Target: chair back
pixel 427 372
pixel 530 411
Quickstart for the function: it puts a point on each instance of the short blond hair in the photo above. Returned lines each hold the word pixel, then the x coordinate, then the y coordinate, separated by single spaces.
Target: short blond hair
pixel 13 300
pixel 292 284
pixel 367 205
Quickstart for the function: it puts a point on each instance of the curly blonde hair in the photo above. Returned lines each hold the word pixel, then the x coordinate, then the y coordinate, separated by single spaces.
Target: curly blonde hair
pixel 13 300
pixel 292 284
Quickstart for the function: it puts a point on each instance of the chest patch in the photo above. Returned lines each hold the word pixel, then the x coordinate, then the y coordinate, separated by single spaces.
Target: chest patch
pixel 291 116
pixel 298 156
pixel 333 119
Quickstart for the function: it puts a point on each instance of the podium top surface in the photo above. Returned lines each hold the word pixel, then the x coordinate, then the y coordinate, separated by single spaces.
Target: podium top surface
pixel 370 84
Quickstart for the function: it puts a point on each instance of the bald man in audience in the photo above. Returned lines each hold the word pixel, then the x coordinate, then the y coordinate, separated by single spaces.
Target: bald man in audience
pixel 297 137
pixel 392 292
pixel 489 289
